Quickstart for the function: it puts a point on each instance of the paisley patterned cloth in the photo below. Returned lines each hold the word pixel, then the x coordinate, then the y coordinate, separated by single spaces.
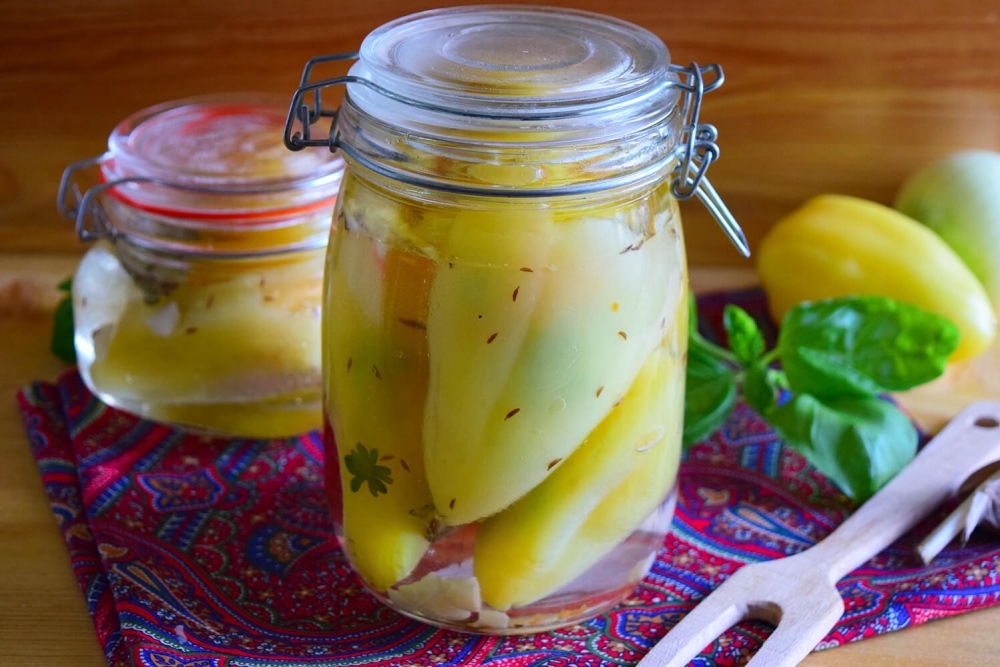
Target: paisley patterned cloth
pixel 199 552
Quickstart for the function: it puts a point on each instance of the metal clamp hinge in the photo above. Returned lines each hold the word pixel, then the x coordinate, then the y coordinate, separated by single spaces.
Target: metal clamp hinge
pixel 79 207
pixel 309 114
pixel 700 150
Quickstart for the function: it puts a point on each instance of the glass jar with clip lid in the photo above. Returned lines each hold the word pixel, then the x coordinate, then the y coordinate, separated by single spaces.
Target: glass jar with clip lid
pixel 199 303
pixel 506 307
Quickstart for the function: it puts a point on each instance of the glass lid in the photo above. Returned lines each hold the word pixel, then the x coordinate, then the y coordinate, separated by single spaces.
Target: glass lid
pixel 225 142
pixel 514 60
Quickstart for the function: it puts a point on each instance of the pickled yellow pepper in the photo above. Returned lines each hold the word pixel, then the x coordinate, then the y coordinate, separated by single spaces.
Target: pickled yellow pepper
pixel 836 245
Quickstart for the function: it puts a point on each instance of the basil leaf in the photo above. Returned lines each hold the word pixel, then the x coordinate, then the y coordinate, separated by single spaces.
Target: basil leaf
pixel 710 392
pixel 745 339
pixel 862 346
pixel 710 386
pixel 692 315
pixel 62 332
pixel 858 442
pixel 698 344
pixel 759 387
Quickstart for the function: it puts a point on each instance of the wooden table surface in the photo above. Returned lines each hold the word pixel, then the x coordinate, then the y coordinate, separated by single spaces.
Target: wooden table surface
pixel 846 96
pixel 43 619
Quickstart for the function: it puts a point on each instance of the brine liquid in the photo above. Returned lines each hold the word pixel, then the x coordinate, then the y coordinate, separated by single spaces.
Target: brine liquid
pixel 505 389
pixel 235 352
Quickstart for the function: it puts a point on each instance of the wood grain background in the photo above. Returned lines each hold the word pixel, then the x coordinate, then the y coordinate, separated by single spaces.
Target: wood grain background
pixel 837 96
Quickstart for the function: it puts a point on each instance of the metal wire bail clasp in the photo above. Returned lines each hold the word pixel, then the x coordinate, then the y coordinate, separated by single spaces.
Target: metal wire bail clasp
pixel 308 114
pixel 79 207
pixel 699 149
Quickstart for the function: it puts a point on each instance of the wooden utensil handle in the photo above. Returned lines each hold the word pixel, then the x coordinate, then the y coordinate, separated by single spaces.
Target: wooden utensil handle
pixel 969 442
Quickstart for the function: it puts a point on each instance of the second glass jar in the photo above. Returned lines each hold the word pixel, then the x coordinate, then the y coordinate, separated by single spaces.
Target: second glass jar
pixel 200 304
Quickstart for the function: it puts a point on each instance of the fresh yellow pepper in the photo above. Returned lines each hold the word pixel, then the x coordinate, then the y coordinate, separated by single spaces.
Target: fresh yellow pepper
pixel 836 245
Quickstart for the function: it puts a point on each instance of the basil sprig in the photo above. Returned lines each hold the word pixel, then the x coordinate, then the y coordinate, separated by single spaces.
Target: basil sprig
pixel 837 357
pixel 61 342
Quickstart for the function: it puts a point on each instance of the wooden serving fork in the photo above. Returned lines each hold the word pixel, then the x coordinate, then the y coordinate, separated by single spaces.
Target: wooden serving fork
pixel 798 594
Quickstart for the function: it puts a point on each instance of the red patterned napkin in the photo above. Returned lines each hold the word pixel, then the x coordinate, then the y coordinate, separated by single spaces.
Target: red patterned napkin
pixel 199 552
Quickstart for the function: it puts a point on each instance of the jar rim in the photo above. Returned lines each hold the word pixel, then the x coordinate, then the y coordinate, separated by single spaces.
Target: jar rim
pixel 250 215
